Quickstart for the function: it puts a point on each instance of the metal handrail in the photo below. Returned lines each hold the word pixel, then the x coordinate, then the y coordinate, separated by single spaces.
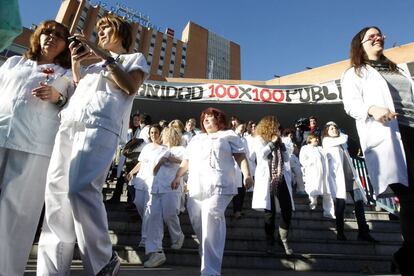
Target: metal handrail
pixel 389 204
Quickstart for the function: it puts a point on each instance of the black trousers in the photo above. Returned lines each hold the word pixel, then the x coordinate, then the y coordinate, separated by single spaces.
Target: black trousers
pixel 406 197
pixel 239 199
pixel 283 195
pixel 359 214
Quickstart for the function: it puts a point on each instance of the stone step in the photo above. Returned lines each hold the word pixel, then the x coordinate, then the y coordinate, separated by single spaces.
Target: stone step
pixel 303 219
pixel 322 246
pixel 296 233
pixel 260 260
pixel 302 211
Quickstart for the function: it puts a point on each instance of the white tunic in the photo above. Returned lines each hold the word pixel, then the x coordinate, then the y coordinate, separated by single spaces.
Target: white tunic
pixel 148 158
pixel 166 173
pixel 379 142
pixel 27 123
pixel 211 163
pixel 100 102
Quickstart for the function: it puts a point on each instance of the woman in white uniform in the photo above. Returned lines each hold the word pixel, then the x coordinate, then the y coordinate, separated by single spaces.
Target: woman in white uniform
pixel 342 178
pixel 95 118
pixel 212 184
pixel 315 167
pixel 33 89
pixel 273 184
pixel 142 176
pixel 164 205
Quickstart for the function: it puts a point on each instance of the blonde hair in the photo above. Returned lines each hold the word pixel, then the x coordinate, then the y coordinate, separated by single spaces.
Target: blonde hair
pixel 177 124
pixel 267 128
pixel 122 29
pixel 171 136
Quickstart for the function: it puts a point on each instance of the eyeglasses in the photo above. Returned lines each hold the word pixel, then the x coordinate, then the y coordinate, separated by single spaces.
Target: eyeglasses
pixel 55 33
pixel 372 37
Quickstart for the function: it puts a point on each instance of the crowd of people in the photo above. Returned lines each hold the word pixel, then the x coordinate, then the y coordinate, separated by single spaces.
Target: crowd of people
pixel 61 126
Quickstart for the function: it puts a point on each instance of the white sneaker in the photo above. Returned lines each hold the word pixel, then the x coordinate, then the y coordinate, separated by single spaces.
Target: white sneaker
pixel 156 259
pixel 141 243
pixel 179 243
pixel 312 206
pixel 329 216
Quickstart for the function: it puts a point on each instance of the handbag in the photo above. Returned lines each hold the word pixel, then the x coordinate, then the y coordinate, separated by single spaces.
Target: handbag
pixel 132 149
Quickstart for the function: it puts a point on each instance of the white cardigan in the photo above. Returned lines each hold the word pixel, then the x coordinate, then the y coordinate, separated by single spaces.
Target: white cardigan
pixel 381 143
pixel 261 192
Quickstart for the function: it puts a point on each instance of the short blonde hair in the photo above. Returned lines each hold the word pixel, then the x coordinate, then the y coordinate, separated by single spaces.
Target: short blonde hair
pixel 122 29
pixel 171 135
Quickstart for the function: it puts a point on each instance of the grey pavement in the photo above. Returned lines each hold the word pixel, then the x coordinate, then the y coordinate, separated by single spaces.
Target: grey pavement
pixel 128 270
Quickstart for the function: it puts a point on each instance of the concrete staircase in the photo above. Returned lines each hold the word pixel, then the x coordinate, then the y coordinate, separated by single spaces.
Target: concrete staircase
pixel 312 237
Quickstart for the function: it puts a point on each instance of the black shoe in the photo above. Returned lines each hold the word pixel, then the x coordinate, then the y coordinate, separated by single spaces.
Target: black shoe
pixel 113 200
pixel 341 237
pixel 366 237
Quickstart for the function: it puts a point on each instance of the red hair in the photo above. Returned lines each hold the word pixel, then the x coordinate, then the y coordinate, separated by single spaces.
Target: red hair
pixel 219 115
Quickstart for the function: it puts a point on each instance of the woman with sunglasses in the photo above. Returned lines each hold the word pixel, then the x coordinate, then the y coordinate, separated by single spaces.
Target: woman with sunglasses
pixel 93 122
pixel 342 178
pixel 33 90
pixel 379 96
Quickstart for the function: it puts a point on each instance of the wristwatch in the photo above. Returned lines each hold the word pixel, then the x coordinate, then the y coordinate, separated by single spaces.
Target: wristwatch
pixel 61 101
pixel 109 61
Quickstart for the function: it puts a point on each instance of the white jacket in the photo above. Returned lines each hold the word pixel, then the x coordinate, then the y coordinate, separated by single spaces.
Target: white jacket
pixel 261 192
pixel 381 143
pixel 336 161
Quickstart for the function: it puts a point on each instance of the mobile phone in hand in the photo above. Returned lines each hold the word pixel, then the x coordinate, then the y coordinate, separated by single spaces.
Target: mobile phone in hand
pixel 77 41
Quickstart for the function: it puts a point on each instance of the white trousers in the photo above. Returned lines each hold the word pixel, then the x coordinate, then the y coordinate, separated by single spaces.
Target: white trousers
pixel 327 204
pixel 209 224
pixel 141 200
pixel 22 185
pixel 74 204
pixel 163 208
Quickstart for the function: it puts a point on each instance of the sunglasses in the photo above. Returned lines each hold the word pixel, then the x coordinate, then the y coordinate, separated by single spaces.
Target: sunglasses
pixel 48 32
pixel 373 37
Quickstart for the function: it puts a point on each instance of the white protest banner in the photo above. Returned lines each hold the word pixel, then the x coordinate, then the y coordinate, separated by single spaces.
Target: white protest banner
pixel 326 93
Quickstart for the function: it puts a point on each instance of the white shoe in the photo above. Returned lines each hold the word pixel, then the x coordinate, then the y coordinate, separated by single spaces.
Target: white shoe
pixel 179 243
pixel 312 206
pixel 156 259
pixel 329 216
pixel 142 244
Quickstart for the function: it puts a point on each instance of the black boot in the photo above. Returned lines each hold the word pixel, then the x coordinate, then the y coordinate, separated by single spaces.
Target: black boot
pixel 365 236
pixel 270 244
pixel 401 261
pixel 340 236
pixel 363 228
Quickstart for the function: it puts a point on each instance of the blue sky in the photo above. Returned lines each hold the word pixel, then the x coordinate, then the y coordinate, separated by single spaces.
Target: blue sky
pixel 277 37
